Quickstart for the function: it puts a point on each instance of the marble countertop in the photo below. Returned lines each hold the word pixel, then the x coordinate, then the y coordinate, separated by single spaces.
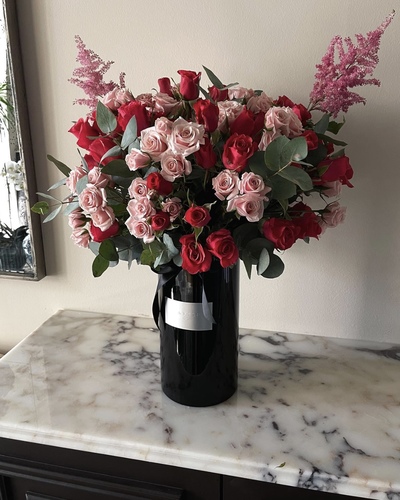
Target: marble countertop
pixel 310 412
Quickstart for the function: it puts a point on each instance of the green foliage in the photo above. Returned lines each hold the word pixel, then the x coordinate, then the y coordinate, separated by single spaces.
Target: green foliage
pixel 214 79
pixel 61 166
pixel 108 251
pixel 118 168
pixel 99 266
pixel 105 119
pixel 41 208
pixel 130 133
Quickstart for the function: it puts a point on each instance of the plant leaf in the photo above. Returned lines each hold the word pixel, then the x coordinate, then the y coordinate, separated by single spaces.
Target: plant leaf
pixel 214 79
pixel 115 151
pixel 322 125
pixel 100 264
pixel 118 168
pixel 257 164
pixel 73 205
pixel 105 119
pixel 327 138
pixel 297 176
pixel 263 261
pixel 108 251
pixel 334 127
pixel 61 166
pixel 49 197
pixel 61 182
pixel 275 155
pixel 130 133
pixel 275 268
pixel 41 208
pixel 281 188
pixel 81 184
pixel 53 214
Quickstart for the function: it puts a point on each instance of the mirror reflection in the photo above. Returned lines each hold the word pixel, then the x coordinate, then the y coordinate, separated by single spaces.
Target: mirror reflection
pixel 17 256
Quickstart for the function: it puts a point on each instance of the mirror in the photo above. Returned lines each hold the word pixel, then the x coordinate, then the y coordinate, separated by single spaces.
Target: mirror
pixel 21 249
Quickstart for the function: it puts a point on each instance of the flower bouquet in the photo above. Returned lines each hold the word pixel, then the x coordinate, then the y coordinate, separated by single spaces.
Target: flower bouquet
pixel 173 178
pixel 189 180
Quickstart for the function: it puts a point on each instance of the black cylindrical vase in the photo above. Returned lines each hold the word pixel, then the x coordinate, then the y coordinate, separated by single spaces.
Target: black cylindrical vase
pixel 199 325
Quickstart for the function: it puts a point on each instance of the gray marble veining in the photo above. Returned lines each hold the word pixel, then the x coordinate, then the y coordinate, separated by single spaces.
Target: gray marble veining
pixel 312 412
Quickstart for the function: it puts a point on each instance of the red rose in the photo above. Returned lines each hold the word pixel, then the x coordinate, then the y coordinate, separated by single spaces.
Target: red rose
pixel 157 182
pixel 165 86
pixel 197 216
pixel 207 114
pixel 306 220
pixel 283 233
pixel 133 108
pixel 84 132
pixel 195 258
pixel 284 101
pixel 217 94
pixel 338 169
pixel 311 138
pixel 99 148
pixel 206 156
pixel 237 151
pixel 243 124
pixel 160 221
pixel 98 235
pixel 302 113
pixel 91 162
pixel 221 245
pixel 189 85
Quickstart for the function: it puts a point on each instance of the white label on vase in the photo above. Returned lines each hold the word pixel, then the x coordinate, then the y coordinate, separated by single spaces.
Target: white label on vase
pixel 187 315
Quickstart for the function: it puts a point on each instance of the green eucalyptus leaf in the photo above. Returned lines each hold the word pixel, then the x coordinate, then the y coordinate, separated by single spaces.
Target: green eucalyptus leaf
pixel 338 154
pixel 315 156
pixel 263 261
pixel 49 197
pixel 327 138
pixel 61 166
pixel 298 147
pixel 73 205
pixel 334 127
pixel 206 94
pixel 94 247
pixel 41 208
pixel 130 133
pixel 147 258
pixel 178 260
pixel 53 214
pixel 257 164
pixel 61 182
pixel 81 184
pixel 108 251
pixel 245 233
pixel 118 168
pixel 214 79
pixel 275 268
pixel 297 176
pixel 115 151
pixel 276 156
pixel 100 264
pixel 281 188
pixel 256 246
pixel 169 245
pixel 322 125
pixel 105 119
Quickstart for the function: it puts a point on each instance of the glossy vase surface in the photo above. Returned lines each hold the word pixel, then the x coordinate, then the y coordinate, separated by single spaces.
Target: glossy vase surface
pixel 199 336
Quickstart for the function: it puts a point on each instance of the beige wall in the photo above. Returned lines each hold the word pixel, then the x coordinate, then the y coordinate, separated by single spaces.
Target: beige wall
pixel 346 285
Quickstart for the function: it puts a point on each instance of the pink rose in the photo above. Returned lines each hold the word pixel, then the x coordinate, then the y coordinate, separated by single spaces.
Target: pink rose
pixel 335 215
pixel 174 165
pixel 163 126
pixel 283 120
pixel 80 236
pixel 103 218
pixel 73 177
pixel 140 229
pixel 186 137
pixel 250 206
pixel 116 97
pixel 226 184
pixel 92 198
pixel 76 219
pixel 334 188
pixel 97 178
pixel 253 183
pixel 228 112
pixel 153 143
pixel 259 103
pixel 136 159
pixel 240 93
pixel 141 208
pixel 173 207
pixel 138 188
pixel 165 104
pixel 267 137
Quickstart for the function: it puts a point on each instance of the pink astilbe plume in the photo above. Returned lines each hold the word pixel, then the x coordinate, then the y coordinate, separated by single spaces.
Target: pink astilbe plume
pixel 334 79
pixel 89 76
